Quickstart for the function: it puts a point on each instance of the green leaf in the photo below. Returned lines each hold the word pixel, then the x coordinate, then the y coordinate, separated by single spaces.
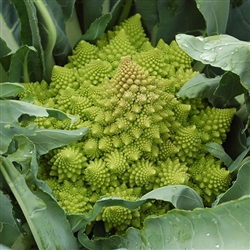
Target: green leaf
pixel 67 8
pixel 92 10
pixel 44 139
pixel 229 88
pixel 55 43
pixel 8 227
pixel 218 151
pixel 223 51
pixel 44 216
pixel 164 19
pixel 97 28
pixel 30 36
pixel 240 187
pixel 199 85
pixel 10 27
pixel 9 89
pixel 180 196
pixel 211 228
pixel 25 65
pixel 4 48
pixel 238 22
pixel 216 14
pixel 236 141
pixel 149 14
pixel 238 161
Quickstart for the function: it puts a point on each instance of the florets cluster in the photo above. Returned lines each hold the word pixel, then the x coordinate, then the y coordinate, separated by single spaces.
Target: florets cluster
pixel 141 136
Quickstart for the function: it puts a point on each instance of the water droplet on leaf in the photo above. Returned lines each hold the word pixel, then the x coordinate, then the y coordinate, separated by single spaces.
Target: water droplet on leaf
pixel 200 38
pixel 208 56
pixel 214 221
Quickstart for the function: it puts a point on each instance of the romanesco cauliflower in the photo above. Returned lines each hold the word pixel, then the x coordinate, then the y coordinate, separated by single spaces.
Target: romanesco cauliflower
pixel 141 136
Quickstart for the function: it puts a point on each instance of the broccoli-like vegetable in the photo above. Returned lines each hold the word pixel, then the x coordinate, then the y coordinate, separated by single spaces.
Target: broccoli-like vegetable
pixel 141 135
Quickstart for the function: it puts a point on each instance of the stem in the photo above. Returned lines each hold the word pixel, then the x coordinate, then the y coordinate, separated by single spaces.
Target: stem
pixel 199 66
pixel 126 10
pixel 49 26
pixel 73 29
pixel 26 77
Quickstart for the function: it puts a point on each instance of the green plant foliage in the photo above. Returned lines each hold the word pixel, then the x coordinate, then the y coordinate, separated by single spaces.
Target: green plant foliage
pixel 8 89
pixel 181 135
pixel 40 209
pixel 9 229
pixel 223 51
pixel 180 229
pixel 241 186
pixel 10 126
pixel 216 15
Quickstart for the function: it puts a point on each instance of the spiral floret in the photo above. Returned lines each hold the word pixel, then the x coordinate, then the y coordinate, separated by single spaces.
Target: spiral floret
pixel 67 163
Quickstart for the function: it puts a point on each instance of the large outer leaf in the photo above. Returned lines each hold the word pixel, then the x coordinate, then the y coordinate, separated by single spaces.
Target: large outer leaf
pixel 46 219
pixel 55 43
pixel 199 85
pixel 4 48
pixel 239 21
pixel 44 139
pixel 67 8
pixel 100 22
pixel 218 151
pixel 91 11
pixel 9 89
pixel 10 26
pixel 164 19
pixel 97 28
pixel 223 227
pixel 240 187
pixel 8 227
pixel 215 13
pixel 180 196
pixel 223 51
pixel 30 36
pixel 25 65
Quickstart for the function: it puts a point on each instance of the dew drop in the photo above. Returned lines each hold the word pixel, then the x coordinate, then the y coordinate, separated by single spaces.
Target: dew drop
pixel 220 48
pixel 217 246
pixel 31 152
pixel 208 234
pixel 208 46
pixel 214 221
pixel 178 38
pixel 200 38
pixel 199 216
pixel 177 219
pixel 208 57
pixel 81 133
pixel 236 205
pixel 236 50
pixel 184 44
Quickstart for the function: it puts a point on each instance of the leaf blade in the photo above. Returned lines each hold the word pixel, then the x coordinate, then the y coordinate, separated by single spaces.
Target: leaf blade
pixel 223 51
